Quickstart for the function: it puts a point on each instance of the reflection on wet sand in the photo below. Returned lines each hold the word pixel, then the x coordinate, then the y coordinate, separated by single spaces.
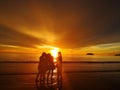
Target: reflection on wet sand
pixel 51 83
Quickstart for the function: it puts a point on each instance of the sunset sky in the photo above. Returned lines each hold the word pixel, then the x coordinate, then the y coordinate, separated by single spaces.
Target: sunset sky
pixel 72 25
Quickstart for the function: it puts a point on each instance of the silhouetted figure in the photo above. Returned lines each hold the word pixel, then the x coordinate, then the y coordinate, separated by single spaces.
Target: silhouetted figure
pixel 51 67
pixel 42 68
pixel 44 78
pixel 59 68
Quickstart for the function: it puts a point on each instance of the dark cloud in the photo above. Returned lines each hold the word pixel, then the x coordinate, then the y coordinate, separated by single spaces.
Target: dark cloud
pixel 10 36
pixel 79 22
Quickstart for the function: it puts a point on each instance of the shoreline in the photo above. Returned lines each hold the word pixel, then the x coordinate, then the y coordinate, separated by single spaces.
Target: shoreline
pixel 62 62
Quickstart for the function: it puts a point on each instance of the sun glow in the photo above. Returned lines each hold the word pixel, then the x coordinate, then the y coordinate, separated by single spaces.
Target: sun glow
pixel 54 52
pixel 51 49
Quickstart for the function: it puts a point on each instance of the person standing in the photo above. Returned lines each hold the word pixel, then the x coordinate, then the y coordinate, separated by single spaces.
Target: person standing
pixel 59 67
pixel 51 67
pixel 42 68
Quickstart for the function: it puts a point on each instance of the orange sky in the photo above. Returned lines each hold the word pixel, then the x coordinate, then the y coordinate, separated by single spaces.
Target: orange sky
pixel 103 49
pixel 74 27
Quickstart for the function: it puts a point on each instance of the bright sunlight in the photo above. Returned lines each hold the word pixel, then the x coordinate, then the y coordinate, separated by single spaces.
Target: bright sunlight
pixel 54 52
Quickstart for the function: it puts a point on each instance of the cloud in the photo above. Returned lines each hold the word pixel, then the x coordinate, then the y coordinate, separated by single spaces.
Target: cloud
pixel 59 23
pixel 10 36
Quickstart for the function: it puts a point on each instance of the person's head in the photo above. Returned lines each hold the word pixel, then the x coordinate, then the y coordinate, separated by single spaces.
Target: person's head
pixel 43 54
pixel 49 55
pixel 59 54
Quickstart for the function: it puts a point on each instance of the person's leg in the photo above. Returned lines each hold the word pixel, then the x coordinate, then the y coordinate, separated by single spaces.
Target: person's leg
pixel 37 76
pixel 37 80
pixel 52 75
pixel 41 78
pixel 60 72
pixel 58 75
pixel 60 79
pixel 48 77
pixel 44 78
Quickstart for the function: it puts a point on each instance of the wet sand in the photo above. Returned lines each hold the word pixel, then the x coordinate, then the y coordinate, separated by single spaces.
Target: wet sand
pixel 76 76
pixel 71 81
pixel 94 81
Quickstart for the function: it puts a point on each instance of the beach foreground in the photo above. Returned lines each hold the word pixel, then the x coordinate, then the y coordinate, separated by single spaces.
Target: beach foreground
pixel 71 81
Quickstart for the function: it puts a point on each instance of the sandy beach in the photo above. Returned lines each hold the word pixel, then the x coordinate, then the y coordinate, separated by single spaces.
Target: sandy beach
pixel 76 76
pixel 71 81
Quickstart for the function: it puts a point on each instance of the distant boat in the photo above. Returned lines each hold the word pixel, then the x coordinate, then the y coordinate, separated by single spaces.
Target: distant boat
pixel 89 54
pixel 117 54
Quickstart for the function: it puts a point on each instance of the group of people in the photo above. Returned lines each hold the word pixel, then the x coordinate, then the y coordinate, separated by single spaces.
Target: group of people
pixel 47 65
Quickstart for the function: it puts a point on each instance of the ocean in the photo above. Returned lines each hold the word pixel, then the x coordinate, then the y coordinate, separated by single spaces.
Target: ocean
pixel 97 72
pixel 12 63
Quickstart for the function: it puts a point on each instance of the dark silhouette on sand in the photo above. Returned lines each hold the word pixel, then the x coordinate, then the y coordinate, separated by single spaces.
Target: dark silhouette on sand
pixel 42 68
pixel 59 67
pixel 46 78
pixel 51 67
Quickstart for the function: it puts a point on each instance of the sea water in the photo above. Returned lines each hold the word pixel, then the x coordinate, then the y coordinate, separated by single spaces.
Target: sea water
pixel 18 72
pixel 11 63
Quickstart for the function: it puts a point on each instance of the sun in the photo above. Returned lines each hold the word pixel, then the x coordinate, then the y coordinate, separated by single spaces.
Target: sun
pixel 51 49
pixel 54 52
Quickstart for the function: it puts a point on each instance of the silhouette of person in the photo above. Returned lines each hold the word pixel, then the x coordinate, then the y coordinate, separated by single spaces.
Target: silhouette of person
pixel 51 67
pixel 59 66
pixel 42 68
pixel 44 81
